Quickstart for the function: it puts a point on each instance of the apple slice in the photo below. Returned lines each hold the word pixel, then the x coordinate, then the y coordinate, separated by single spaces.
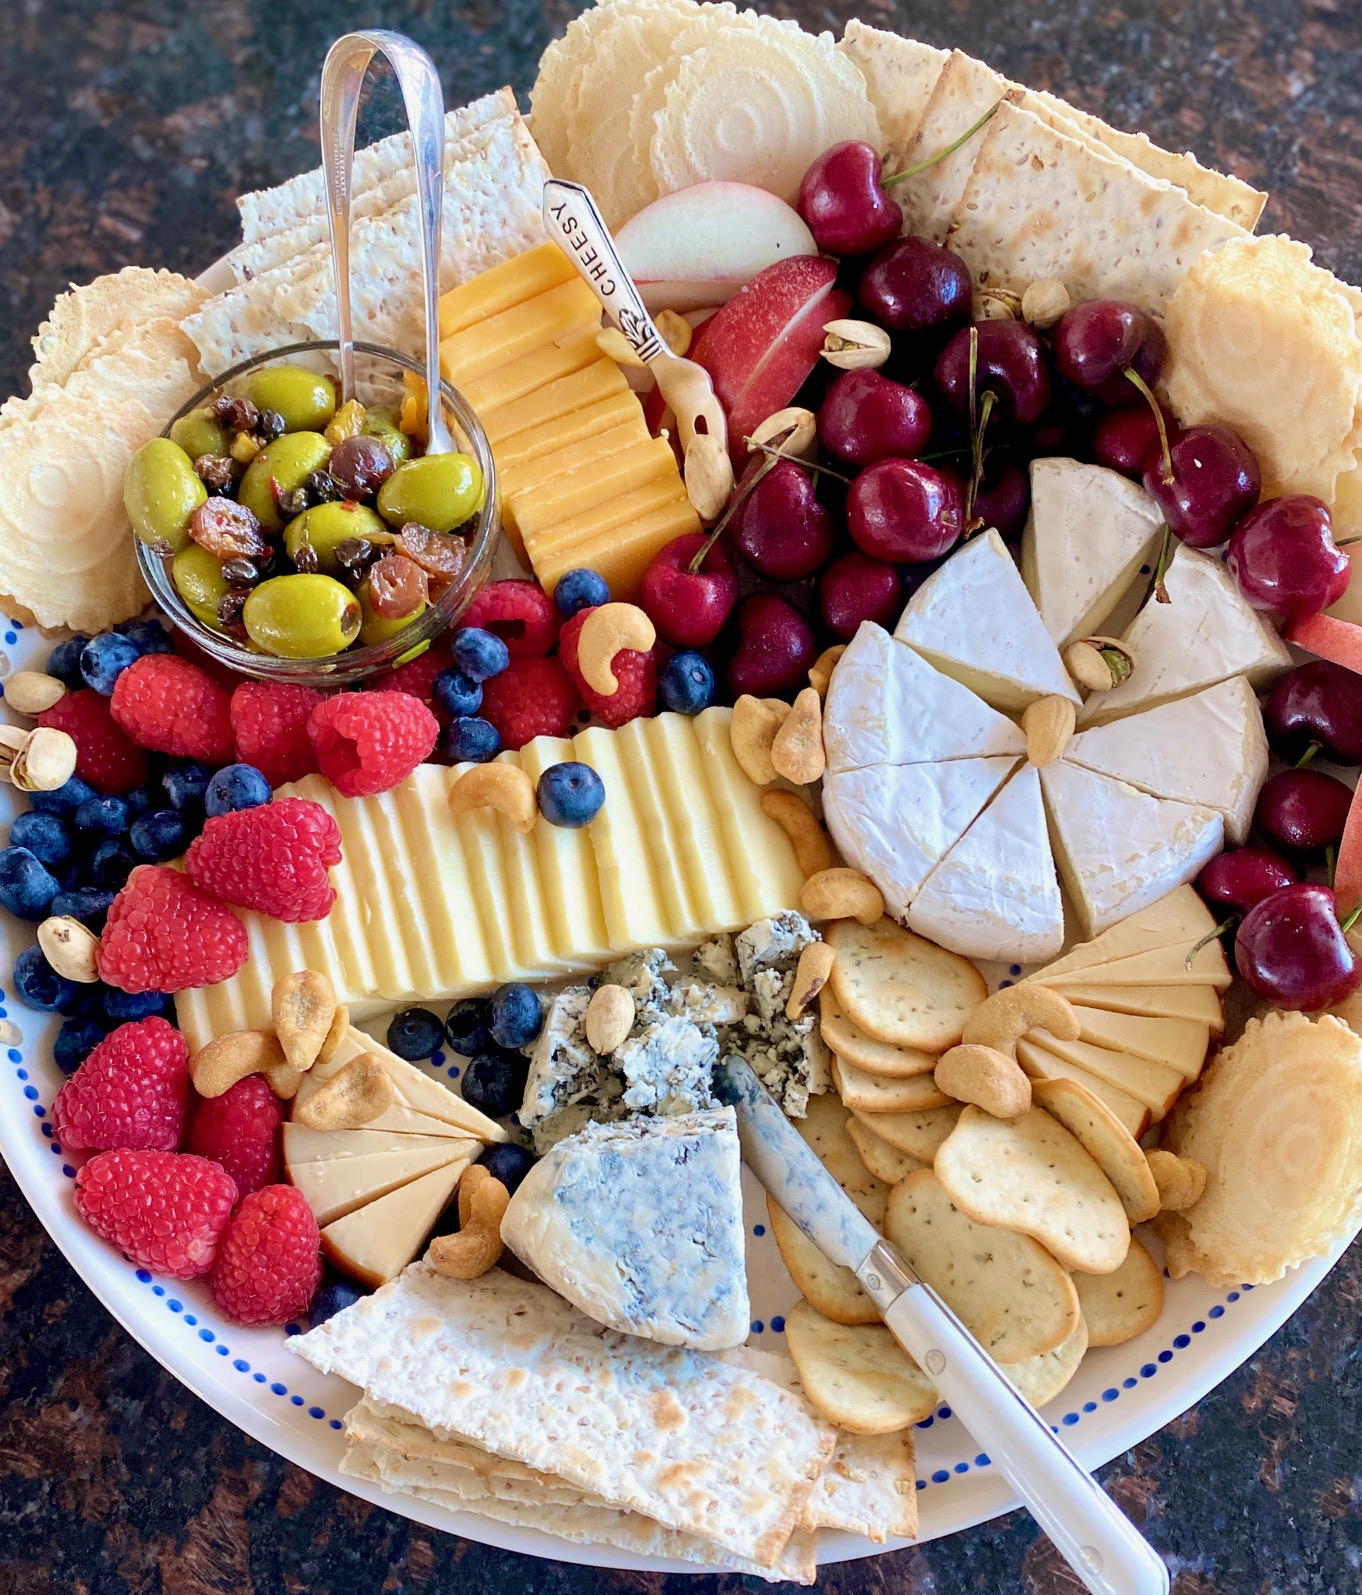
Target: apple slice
pixel 697 247
pixel 760 348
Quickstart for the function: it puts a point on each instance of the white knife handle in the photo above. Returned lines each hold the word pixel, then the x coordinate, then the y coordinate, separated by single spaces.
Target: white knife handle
pixel 571 216
pixel 1088 1529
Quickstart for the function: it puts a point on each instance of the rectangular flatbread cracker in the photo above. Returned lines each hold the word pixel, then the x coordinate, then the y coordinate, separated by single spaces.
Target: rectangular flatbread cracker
pixel 900 75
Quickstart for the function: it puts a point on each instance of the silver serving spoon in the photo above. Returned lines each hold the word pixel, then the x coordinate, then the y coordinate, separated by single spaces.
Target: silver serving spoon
pixel 343 72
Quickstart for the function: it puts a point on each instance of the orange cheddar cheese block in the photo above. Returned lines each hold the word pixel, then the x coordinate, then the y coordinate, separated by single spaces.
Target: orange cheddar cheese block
pixel 518 331
pixel 520 420
pixel 607 465
pixel 622 555
pixel 558 448
pixel 568 351
pixel 503 287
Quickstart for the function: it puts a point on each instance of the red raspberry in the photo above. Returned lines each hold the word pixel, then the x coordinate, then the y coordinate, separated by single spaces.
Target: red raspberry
pixel 240 1130
pixel 164 1210
pixel 171 706
pixel 418 676
pixel 367 742
pixel 273 859
pixel 520 612
pixel 530 698
pixel 224 675
pixel 269 1263
pixel 130 1092
pixel 164 934
pixel 269 720
pixel 106 756
pixel 635 672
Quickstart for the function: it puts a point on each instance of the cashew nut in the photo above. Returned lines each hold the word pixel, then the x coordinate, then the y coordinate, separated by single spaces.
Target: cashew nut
pixel 609 1018
pixel 797 748
pixel 358 1093
pixel 810 976
pixel 752 733
pixel 605 632
pixel 820 671
pixel 1000 1021
pixel 842 894
pixel 303 1006
pixel 340 1023
pixel 483 1201
pixel 498 786
pixel 990 1079
pixel 812 850
pixel 218 1065
pixel 1180 1180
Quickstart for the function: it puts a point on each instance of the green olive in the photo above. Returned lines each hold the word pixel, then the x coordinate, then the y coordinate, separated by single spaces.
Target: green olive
pixel 374 628
pixel 325 525
pixel 438 490
pixel 198 579
pixel 160 493
pixel 301 617
pixel 383 424
pixel 197 434
pixel 287 462
pixel 306 400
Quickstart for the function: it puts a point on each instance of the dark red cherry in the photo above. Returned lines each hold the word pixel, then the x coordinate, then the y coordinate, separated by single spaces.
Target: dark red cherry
pixel 905 511
pixel 1003 500
pixel 1317 707
pixel 1098 340
pixel 1291 950
pixel 1124 440
pixel 1011 364
pixel 1215 483
pixel 854 588
pixel 867 417
pixel 781 529
pixel 916 286
pixel 1303 811
pixel 843 203
pixel 774 650
pixel 689 608
pixel 1284 557
pixel 1244 876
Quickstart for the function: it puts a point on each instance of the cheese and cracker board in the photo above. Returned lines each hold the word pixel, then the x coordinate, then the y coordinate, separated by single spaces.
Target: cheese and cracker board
pixel 863 609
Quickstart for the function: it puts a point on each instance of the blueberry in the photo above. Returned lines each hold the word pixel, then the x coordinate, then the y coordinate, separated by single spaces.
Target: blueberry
pixel 111 863
pixel 76 1040
pixel 87 1002
pixel 415 1033
pixel 38 984
pixel 479 654
pixel 105 658
pixel 27 887
pixel 159 836
pixel 687 683
pixel 43 835
pixel 494 1082
pixel 516 1015
pixel 64 661
pixel 570 795
pixel 65 799
pixel 85 903
pixel 236 786
pixel 141 800
pixel 126 1007
pixel 468 1026
pixel 104 815
pixel 332 1299
pixel 185 783
pixel 456 693
pixel 147 636
pixel 507 1163
pixel 469 740
pixel 578 590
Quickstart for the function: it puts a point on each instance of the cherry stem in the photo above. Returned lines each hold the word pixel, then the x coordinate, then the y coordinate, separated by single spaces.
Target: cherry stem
pixel 1161 569
pixel 1213 935
pixel 1345 925
pixel 950 149
pixel 814 470
pixel 1309 754
pixel 743 492
pixel 976 475
pixel 1346 542
pixel 1330 863
pixel 1133 376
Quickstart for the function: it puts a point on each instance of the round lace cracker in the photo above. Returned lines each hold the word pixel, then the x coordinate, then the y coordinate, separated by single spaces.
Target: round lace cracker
pixel 756 105
pixel 1265 341
pixel 1276 1122
pixel 84 317
pixel 554 92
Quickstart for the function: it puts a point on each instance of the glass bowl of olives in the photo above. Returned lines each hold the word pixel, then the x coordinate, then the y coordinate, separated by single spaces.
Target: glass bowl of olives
pixel 296 538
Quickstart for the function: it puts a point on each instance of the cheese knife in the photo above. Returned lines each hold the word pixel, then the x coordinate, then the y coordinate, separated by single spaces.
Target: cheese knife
pixel 1089 1530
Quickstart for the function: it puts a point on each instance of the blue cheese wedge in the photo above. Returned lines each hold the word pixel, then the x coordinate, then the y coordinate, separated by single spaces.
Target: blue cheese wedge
pixel 640 1226
pixel 569 1083
pixel 667 1066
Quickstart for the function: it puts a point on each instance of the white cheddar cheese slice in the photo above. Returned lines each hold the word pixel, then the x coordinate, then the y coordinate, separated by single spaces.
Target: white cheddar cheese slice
pixel 1208 748
pixel 1179 920
pixel 337 1186
pixel 887 705
pixel 1154 1084
pixel 1165 967
pixel 1119 849
pixel 1180 1043
pixel 567 868
pixel 647 786
pixel 1199 1003
pixel 377 1241
pixel 304 1145
pixel 995 895
pixel 974 620
pixel 636 912
pixel 1089 532
pixel 1205 633
pixel 526 900
pixel 896 821
pixel 1043 1065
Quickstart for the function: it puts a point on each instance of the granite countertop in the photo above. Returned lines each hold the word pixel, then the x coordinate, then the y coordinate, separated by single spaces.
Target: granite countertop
pixel 126 129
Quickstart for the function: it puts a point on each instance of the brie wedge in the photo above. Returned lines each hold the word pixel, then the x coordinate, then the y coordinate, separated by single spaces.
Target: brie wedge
pixel 1209 748
pixel 896 822
pixel 1089 532
pixel 995 895
pixel 1120 850
pixel 887 705
pixel 974 620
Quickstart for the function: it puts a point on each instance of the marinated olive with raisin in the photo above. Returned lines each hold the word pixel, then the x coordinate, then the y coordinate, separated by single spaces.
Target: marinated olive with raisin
pixel 325 526
pixel 197 434
pixel 199 580
pixel 305 399
pixel 160 492
pixel 383 425
pixel 440 491
pixel 360 466
pixel 375 628
pixel 301 616
pixel 280 468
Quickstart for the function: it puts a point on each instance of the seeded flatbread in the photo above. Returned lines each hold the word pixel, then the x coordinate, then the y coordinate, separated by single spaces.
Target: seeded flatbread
pixel 878 1093
pixel 856 1046
pixel 1015 1298
pixel 1107 1141
pixel 885 1162
pixel 1040 1379
pixel 857 1376
pixel 900 988
pixel 900 75
pixel 917 1134
pixel 1031 1175
pixel 1120 1305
